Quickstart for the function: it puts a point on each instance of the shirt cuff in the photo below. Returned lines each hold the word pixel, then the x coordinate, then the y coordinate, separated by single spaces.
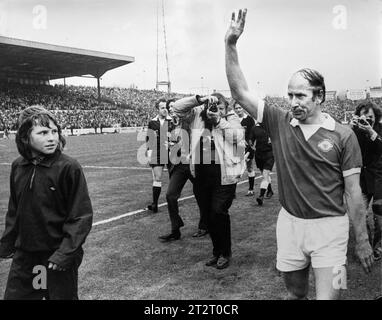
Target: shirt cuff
pixel 349 172
pixel 374 136
pixel 260 110
pixel 197 97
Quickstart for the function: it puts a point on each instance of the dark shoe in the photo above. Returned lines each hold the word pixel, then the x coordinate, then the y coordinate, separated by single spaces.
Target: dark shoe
pixel 269 194
pixel 260 200
pixel 212 262
pixel 153 207
pixel 223 262
pixel 200 233
pixel 175 235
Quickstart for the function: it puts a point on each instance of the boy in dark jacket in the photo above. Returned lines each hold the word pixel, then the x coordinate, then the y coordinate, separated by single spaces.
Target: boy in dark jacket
pixel 49 213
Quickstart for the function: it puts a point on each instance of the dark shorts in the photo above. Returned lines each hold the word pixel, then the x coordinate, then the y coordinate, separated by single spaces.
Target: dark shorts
pixel 30 279
pixel 265 162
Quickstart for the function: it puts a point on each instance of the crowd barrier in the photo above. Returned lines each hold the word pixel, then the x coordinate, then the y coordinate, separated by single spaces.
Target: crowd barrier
pixel 79 132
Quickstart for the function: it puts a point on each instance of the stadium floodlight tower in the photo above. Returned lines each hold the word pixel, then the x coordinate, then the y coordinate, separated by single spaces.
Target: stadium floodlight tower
pixel 163 82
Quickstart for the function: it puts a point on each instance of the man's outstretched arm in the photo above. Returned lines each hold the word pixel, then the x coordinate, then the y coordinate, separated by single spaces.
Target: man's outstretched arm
pixel 236 80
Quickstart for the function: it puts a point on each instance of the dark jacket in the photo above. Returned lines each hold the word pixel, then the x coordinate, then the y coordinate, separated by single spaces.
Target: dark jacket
pixel 371 173
pixel 157 135
pixel 260 138
pixel 371 150
pixel 49 209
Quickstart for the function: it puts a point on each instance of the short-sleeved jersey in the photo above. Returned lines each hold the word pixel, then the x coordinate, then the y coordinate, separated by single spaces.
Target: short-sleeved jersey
pixel 247 123
pixel 311 171
pixel 261 140
pixel 157 134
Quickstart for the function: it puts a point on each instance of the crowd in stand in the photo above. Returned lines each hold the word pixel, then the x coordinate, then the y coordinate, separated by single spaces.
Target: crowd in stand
pixel 78 106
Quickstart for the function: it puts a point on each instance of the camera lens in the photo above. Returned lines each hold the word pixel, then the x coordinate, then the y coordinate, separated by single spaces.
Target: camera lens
pixel 213 108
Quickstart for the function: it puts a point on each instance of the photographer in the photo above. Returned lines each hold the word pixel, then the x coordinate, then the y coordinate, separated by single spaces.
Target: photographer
pixel 368 129
pixel 217 162
pixel 179 173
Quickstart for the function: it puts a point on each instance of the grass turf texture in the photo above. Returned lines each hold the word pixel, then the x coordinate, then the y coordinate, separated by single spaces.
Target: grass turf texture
pixel 124 259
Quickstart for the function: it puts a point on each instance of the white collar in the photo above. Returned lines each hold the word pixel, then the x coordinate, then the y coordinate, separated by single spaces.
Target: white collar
pixel 156 118
pixel 328 124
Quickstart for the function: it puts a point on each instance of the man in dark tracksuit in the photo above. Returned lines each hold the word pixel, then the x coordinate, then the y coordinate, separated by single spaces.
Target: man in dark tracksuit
pixel 179 174
pixel 49 217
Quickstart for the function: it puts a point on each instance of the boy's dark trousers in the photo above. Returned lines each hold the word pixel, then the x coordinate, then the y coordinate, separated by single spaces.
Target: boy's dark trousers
pixel 21 284
pixel 215 199
pixel 179 174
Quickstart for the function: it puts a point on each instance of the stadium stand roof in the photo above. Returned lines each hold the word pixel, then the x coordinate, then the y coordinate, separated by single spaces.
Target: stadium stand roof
pixel 41 61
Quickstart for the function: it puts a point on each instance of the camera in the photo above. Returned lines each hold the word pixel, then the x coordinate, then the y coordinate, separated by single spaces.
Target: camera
pixel 362 121
pixel 212 107
pixel 365 122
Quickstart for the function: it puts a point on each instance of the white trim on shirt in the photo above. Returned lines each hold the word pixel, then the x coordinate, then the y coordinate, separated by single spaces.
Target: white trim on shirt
pixel 349 172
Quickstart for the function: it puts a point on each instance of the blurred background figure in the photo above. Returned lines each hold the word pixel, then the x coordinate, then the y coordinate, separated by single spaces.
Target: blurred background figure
pixel 368 129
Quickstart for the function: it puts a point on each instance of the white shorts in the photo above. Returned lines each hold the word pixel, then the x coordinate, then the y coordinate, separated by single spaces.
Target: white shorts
pixel 322 242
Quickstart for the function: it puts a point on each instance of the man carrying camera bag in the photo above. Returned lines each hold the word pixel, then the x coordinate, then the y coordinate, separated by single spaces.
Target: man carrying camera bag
pixel 217 162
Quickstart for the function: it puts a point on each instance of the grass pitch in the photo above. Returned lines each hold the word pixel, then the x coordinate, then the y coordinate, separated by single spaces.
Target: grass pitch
pixel 124 259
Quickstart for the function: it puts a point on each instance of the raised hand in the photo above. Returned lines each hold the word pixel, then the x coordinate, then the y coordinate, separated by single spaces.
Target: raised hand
pixel 236 27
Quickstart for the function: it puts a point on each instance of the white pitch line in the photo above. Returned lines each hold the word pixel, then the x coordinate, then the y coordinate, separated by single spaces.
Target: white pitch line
pixel 97 167
pixel 127 168
pixel 143 210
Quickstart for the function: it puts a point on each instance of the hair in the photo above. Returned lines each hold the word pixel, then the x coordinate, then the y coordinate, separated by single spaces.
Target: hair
pixel 160 101
pixel 168 103
pixel 221 99
pixel 367 105
pixel 33 116
pixel 316 80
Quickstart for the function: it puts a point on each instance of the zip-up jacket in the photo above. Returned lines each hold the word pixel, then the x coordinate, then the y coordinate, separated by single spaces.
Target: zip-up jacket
pixel 49 209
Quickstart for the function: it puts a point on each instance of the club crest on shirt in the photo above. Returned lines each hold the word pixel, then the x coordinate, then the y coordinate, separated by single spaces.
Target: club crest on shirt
pixel 325 145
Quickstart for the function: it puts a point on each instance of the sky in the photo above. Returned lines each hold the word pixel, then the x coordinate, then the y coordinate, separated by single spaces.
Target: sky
pixel 340 38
